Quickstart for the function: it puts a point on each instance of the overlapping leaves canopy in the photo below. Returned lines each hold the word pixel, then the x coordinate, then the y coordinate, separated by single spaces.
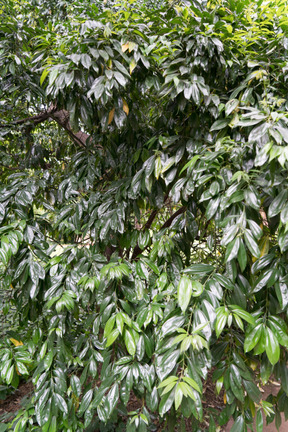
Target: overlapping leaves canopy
pixel 144 211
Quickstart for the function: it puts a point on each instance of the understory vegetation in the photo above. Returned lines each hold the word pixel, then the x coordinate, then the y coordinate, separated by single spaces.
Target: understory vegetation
pixel 143 213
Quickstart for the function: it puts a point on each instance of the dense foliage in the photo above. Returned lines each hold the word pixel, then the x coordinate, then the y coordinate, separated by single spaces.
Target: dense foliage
pixel 144 212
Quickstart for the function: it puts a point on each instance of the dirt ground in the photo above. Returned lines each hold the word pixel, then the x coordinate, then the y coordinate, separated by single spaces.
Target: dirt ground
pixel 13 402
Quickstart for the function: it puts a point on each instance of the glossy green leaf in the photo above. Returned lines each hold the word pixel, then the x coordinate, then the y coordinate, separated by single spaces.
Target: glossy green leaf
pixel 76 385
pixel 259 421
pixel 185 288
pixel 272 346
pixel 166 402
pixel 130 342
pixel 252 338
pixel 251 244
pixel 112 337
pixel 178 396
pixel 61 403
pixel 278 203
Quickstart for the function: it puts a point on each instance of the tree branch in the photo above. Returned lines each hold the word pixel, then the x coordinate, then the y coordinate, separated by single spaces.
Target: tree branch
pixel 169 221
pixel 39 118
pixel 137 250
pixel 61 117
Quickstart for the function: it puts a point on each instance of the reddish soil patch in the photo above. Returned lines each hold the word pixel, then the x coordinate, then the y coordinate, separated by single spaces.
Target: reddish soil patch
pixel 13 402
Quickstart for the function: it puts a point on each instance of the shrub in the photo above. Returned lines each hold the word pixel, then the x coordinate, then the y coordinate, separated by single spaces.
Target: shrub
pixel 144 212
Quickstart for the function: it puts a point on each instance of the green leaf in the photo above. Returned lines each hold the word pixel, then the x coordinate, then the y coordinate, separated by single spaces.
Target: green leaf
pixel 47 362
pixel 252 390
pixel 242 314
pixel 259 421
pixel 22 368
pixel 232 249
pixel 152 399
pixel 197 288
pixel 120 78
pixel 212 207
pixel 263 280
pixel 252 338
pixel 172 324
pixel 86 60
pixel 272 346
pixel 178 396
pixel 229 235
pixel 185 288
pixel 188 391
pixel 158 167
pixel 199 269
pixel 220 124
pixel 195 93
pixel 166 402
pixel 112 337
pixel 60 402
pixel 281 289
pixel 242 256
pixel 255 229
pixel 252 199
pixel 192 383
pixel 278 203
pixel 167 381
pixel 251 244
pixel 9 374
pixel 44 75
pixel 112 398
pixel 130 342
pixel 86 400
pixel 279 328
pixel 76 385
pixel 258 132
pixel 221 321
pixel 166 363
pixel 53 425
pixel 190 164
pixel 109 325
pixel 230 106
pixel 236 388
pixel 238 425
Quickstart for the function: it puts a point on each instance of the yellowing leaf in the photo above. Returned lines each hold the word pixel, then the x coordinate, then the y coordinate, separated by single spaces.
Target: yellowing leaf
pixel 131 45
pixel 132 66
pixel 125 46
pixel 125 107
pixel 225 398
pixel 252 407
pixel 15 342
pixel 264 246
pixel 253 364
pixel 111 116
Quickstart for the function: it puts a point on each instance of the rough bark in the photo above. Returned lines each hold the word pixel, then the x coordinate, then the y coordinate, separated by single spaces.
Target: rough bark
pixel 60 116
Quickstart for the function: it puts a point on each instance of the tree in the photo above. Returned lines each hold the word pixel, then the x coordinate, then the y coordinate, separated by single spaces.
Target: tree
pixel 143 211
